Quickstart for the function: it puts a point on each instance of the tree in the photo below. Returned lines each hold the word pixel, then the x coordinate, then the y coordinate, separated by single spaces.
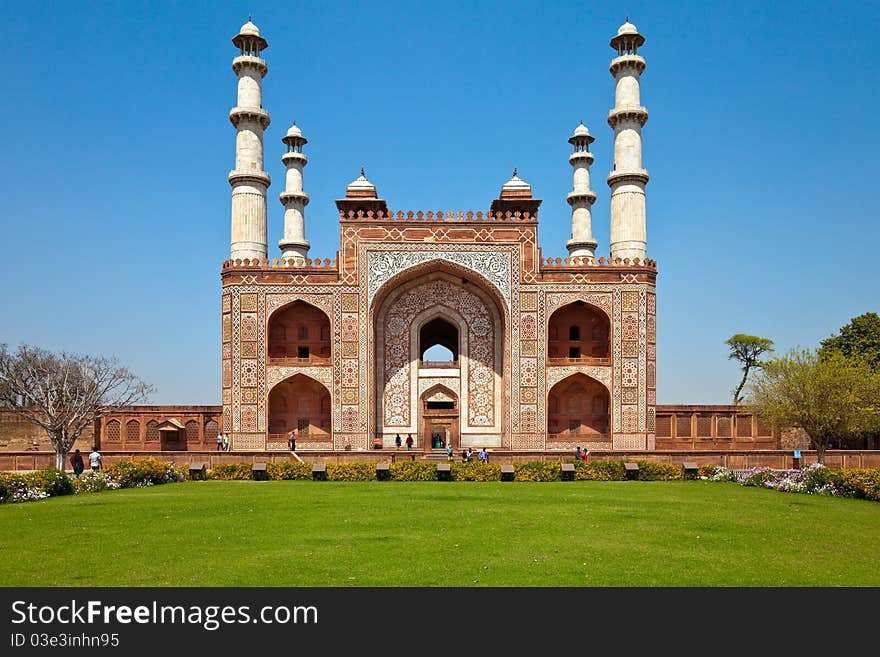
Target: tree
pixel 861 338
pixel 828 397
pixel 746 349
pixel 64 393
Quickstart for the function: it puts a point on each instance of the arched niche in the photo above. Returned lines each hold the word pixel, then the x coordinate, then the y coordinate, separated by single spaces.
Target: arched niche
pixel 302 404
pixel 458 302
pixel 299 332
pixel 579 407
pixel 438 418
pixel 579 332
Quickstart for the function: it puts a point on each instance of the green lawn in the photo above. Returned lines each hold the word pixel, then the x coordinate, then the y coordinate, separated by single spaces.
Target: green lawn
pixel 304 533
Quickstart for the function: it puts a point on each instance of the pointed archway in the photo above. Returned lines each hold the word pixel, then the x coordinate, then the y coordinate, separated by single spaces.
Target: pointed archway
pixel 578 410
pixel 439 418
pixel 301 404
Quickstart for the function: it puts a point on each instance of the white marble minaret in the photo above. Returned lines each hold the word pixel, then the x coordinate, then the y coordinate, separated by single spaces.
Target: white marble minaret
pixel 581 244
pixel 628 179
pixel 294 245
pixel 249 181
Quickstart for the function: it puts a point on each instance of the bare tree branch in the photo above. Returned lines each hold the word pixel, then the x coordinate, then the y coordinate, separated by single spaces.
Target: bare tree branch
pixel 64 393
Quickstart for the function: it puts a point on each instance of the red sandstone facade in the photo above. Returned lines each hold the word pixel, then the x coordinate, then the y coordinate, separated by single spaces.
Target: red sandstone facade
pixel 548 353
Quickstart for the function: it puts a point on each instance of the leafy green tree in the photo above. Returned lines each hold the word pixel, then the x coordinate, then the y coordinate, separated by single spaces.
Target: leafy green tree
pixel 860 338
pixel 828 397
pixel 747 349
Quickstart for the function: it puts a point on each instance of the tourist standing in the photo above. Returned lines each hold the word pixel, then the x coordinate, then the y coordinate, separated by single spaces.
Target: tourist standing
pixel 95 459
pixel 448 453
pixel 291 440
pixel 577 453
pixel 76 461
pixel 219 442
pixel 397 441
pixel 409 442
pixel 225 442
pixel 484 456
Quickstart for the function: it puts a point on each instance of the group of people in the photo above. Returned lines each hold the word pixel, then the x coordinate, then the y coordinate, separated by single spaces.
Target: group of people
pixel 78 464
pixel 222 443
pixel 581 455
pixel 409 441
pixel 467 455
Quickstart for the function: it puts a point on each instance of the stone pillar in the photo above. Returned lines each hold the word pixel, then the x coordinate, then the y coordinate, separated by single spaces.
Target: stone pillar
pixel 248 180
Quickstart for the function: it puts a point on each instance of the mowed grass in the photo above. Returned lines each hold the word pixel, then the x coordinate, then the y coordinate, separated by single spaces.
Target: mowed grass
pixel 304 533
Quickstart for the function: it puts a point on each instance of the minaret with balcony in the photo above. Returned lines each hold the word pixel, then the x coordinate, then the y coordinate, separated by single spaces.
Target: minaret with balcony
pixel 294 245
pixel 628 179
pixel 248 180
pixel 582 244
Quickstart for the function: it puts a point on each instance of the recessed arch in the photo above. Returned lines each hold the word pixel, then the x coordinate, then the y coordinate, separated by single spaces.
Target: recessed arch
pixel 579 331
pixel 302 404
pixel 578 407
pixel 439 417
pixel 299 331
pixel 483 354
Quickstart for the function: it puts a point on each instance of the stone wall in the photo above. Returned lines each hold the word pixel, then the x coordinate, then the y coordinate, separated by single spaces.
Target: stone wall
pixel 19 435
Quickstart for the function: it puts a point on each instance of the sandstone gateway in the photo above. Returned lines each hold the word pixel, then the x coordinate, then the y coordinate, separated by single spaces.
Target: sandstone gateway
pixel 544 353
pixel 540 354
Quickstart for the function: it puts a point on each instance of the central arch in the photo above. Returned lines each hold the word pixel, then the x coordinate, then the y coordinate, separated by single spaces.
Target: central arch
pixel 446 308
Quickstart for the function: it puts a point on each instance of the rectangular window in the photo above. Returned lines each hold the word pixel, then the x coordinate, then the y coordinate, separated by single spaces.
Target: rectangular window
pixel 574 352
pixel 302 352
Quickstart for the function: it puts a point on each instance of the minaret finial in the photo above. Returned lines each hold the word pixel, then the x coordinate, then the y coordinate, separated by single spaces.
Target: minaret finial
pixel 514 172
pixel 362 172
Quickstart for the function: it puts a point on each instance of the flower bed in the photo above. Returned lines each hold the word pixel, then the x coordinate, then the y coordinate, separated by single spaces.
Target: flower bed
pixel 815 479
pixel 51 482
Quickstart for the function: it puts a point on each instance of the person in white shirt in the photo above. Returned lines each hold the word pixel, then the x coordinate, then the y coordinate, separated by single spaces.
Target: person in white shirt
pixel 95 459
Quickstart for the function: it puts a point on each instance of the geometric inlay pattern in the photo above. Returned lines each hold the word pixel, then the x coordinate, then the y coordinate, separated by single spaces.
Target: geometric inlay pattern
pixel 493 265
pixel 321 374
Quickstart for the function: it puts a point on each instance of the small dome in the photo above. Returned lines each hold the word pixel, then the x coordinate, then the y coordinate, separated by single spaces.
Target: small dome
pixel 581 131
pixel 361 183
pixel 627 28
pixel 249 29
pixel 294 131
pixel 360 187
pixel 516 184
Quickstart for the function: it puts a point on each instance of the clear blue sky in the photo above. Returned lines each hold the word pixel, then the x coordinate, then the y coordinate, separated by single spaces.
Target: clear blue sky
pixel 762 148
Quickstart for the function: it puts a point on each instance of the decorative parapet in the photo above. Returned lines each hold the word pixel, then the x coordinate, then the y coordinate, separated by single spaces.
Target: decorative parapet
pixel 307 265
pixel 558 264
pixel 449 216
